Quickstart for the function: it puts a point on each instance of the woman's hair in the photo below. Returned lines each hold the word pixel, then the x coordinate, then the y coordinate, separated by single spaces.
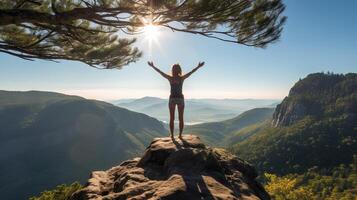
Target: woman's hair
pixel 176 70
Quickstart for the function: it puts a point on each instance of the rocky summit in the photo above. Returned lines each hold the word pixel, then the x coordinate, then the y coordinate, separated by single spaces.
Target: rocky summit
pixel 174 169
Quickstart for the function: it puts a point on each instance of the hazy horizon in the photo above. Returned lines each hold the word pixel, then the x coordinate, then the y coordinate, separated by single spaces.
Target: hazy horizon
pixel 198 98
pixel 95 94
pixel 141 97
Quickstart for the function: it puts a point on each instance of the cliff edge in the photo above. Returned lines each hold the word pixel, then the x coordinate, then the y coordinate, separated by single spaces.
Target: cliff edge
pixel 174 169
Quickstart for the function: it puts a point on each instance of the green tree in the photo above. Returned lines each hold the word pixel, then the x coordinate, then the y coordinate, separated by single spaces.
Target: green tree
pixel 285 188
pixel 338 183
pixel 87 30
pixel 61 192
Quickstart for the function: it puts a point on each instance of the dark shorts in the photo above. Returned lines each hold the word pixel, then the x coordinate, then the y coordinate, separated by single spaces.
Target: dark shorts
pixel 176 101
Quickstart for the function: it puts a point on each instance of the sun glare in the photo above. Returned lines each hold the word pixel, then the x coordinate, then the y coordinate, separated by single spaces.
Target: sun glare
pixel 151 31
pixel 151 34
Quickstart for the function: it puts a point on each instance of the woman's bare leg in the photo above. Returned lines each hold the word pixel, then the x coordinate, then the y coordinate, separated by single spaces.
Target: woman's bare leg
pixel 181 108
pixel 172 118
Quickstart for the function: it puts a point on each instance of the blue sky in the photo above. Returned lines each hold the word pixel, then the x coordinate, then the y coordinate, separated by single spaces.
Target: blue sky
pixel 320 35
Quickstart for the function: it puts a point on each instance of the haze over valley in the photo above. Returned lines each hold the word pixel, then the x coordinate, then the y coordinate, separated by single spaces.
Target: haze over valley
pixel 198 110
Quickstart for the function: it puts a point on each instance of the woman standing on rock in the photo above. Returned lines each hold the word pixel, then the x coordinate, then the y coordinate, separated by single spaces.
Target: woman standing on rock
pixel 176 97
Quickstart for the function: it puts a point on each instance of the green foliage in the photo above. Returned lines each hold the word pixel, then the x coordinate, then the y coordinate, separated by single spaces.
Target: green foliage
pixel 338 183
pixel 285 188
pixel 61 192
pixel 298 147
pixel 93 31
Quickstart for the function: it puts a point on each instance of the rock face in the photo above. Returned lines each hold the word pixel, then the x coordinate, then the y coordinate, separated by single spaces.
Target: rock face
pixel 287 113
pixel 318 95
pixel 174 169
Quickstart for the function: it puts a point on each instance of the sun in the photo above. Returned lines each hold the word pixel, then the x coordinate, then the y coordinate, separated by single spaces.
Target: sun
pixel 151 31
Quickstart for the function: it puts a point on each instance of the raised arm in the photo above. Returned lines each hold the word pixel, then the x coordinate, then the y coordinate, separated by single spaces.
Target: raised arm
pixel 151 64
pixel 200 64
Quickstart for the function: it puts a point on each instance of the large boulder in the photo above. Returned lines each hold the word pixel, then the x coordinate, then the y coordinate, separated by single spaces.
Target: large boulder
pixel 174 169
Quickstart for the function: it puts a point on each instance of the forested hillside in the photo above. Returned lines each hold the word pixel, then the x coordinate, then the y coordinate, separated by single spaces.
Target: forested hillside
pixel 47 139
pixel 315 126
pixel 311 144
pixel 224 132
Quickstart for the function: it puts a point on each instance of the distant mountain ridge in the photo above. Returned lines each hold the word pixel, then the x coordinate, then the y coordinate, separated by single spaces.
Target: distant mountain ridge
pixel 47 139
pixel 197 110
pixel 31 97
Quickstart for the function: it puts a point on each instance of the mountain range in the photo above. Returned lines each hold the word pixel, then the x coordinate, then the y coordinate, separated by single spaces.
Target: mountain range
pixel 48 138
pixel 196 110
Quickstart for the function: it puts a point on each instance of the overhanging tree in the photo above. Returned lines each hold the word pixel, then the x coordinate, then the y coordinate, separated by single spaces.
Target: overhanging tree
pixel 88 30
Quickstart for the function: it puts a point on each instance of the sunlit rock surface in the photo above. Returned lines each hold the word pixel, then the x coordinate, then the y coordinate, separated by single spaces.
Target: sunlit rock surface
pixel 174 169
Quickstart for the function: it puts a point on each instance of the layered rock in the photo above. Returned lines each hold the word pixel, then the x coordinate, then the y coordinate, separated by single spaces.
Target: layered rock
pixel 287 113
pixel 175 169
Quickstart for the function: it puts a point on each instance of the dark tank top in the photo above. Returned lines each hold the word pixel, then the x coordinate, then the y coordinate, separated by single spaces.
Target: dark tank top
pixel 176 90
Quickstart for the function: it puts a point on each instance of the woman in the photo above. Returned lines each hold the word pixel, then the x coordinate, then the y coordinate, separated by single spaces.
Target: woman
pixel 176 97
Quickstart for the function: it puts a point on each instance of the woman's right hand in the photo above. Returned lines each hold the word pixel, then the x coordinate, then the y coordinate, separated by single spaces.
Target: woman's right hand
pixel 150 63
